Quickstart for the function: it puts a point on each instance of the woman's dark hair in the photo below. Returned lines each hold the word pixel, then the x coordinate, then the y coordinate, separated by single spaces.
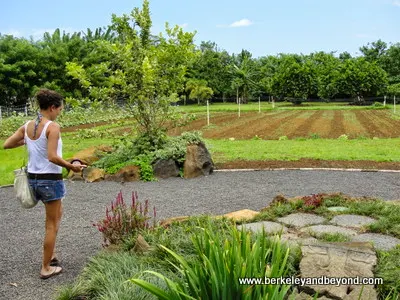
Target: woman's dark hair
pixel 47 98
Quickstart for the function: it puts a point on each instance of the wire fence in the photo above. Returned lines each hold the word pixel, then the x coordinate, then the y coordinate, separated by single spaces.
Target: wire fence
pixel 29 110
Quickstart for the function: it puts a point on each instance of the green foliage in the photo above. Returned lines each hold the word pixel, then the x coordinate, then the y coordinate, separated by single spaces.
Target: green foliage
pixel 124 220
pixel 9 125
pixel 388 269
pixel 333 237
pixel 217 273
pixel 175 147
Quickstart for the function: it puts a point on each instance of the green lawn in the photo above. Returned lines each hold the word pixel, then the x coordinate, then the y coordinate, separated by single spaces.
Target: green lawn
pixel 324 149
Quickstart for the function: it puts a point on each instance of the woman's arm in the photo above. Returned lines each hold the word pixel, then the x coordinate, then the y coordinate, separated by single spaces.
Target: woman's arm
pixel 52 144
pixel 16 140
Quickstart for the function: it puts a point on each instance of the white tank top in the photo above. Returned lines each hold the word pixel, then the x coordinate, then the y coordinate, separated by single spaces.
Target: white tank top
pixel 38 162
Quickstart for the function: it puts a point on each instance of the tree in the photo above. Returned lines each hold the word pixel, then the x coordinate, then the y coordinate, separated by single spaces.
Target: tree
pixel 198 90
pixel 375 51
pixel 243 71
pixel 18 70
pixel 147 71
pixel 294 78
pixel 213 66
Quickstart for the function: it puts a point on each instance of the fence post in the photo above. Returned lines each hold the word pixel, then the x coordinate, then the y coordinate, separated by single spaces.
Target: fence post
pixel 259 105
pixel 384 101
pixel 239 109
pixel 26 110
pixel 208 114
pixel 394 104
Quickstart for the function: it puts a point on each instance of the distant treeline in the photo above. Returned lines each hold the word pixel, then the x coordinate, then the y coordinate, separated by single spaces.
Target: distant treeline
pixel 26 65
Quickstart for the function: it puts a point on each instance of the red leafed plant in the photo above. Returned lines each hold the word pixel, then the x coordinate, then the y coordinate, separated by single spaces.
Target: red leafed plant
pixel 124 220
pixel 313 200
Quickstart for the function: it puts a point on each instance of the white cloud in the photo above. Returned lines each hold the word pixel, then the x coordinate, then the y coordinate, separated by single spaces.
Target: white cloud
pixel 396 3
pixel 184 25
pixel 241 23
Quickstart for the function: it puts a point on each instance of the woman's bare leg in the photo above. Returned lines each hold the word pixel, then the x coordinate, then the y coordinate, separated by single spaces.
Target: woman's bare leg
pixel 53 217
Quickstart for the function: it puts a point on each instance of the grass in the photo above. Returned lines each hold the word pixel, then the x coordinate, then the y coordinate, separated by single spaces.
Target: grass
pixel 289 150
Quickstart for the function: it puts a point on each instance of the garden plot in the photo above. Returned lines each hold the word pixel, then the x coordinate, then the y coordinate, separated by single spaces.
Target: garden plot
pixel 297 124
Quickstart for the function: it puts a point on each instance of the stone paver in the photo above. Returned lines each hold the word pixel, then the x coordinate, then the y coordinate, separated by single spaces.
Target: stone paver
pixel 301 220
pixel 352 221
pixel 380 241
pixel 327 260
pixel 269 227
pixel 293 239
pixel 319 230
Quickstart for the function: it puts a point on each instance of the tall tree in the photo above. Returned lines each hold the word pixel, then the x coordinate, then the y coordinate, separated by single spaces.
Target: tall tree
pixel 148 72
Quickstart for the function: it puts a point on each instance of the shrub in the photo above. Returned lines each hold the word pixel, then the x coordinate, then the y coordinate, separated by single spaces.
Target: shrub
pixel 315 200
pixel 222 264
pixel 343 137
pixel 283 138
pixel 122 220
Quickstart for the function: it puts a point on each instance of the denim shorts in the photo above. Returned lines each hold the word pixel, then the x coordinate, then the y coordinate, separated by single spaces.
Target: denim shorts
pixel 47 190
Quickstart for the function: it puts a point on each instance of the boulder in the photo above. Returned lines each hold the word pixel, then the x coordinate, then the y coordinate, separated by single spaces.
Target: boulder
pixel 91 174
pixel 241 215
pixel 167 222
pixel 164 168
pixel 126 174
pixel 90 155
pixel 198 161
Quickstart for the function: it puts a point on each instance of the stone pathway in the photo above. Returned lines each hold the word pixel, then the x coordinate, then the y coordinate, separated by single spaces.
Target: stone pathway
pixel 355 258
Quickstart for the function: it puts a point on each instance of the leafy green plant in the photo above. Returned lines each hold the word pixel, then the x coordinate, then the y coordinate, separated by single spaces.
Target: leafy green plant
pixel 343 137
pixel 283 138
pixel 122 220
pixel 221 265
pixel 314 136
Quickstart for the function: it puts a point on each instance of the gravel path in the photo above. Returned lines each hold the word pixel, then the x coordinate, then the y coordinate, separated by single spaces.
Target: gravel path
pixel 22 230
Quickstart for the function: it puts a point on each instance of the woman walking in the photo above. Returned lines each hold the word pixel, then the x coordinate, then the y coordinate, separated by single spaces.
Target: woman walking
pixel 43 140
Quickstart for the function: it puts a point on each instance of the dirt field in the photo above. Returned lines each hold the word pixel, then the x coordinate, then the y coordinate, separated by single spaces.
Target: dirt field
pixel 293 124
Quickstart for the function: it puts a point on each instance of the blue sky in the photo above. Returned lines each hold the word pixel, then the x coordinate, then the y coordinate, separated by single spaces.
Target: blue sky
pixel 264 27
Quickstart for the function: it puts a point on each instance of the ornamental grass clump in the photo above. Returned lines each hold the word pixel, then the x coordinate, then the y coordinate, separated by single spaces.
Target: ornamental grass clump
pixel 124 220
pixel 222 267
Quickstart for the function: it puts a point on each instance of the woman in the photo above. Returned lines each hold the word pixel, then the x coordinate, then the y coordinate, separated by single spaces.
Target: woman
pixel 43 140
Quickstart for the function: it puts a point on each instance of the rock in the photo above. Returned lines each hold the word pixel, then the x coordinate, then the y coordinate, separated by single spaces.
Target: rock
pixel 91 174
pixel 169 221
pixel 164 168
pixel 319 230
pixel 347 260
pixel 75 176
pixel 141 246
pixel 380 241
pixel 198 161
pixel 126 174
pixel 241 215
pixel 300 219
pixel 90 155
pixel 352 221
pixel 269 227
